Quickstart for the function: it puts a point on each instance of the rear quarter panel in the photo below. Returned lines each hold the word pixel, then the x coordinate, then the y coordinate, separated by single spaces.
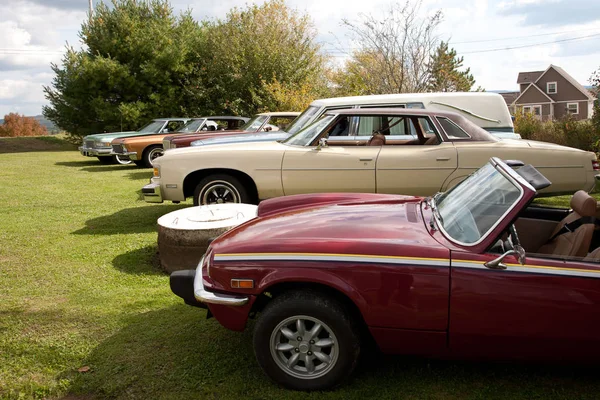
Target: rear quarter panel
pixel 566 168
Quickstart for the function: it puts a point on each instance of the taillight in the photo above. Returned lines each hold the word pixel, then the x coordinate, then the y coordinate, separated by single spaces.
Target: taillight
pixel 595 165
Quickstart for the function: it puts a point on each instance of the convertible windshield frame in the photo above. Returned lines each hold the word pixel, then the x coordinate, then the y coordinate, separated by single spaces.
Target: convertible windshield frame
pixel 195 123
pixel 511 176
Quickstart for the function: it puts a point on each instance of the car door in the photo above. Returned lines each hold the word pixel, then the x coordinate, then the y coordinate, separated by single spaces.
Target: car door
pixel 547 308
pixel 415 169
pixel 341 166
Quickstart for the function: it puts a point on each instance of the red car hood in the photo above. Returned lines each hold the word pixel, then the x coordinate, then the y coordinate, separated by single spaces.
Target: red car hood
pixel 377 225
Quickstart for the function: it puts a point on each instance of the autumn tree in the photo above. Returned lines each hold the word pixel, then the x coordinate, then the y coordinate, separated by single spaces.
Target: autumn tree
pixel 259 57
pixel 19 125
pixel 393 53
pixel 139 61
pixel 445 71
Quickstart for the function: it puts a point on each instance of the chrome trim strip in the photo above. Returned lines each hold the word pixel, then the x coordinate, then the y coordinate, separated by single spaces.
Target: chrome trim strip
pixel 466 112
pixel 336 257
pixel 531 269
pixel 205 296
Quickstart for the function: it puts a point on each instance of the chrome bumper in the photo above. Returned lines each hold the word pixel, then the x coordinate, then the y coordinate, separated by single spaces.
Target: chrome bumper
pixel 86 151
pixel 131 154
pixel 214 298
pixel 152 193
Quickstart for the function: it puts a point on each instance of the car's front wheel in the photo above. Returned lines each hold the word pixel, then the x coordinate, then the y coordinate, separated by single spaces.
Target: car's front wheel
pixel 219 189
pixel 306 341
pixel 123 160
pixel 150 154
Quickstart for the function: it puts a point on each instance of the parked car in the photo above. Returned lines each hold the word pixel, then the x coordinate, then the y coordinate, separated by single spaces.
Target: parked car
pixel 264 122
pixel 487 110
pixel 440 276
pixel 384 150
pixel 99 145
pixel 145 148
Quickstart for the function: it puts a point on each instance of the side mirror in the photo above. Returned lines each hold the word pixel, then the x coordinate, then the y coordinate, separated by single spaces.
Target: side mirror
pixel 496 263
pixel 166 130
pixel 322 143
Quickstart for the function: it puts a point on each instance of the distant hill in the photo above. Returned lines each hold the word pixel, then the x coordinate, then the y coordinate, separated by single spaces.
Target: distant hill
pixel 44 122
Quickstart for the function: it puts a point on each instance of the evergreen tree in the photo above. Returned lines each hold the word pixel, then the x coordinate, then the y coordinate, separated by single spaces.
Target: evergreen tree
pixel 445 73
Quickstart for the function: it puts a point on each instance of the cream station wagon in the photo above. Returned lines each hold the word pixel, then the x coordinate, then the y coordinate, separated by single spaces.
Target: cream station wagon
pixel 381 150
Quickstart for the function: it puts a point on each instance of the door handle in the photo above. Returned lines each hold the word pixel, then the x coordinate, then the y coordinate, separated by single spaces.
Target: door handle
pixel 366 159
pixel 442 159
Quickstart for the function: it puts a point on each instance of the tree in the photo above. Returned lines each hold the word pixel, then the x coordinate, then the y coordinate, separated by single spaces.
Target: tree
pixel 260 55
pixel 393 54
pixel 140 61
pixel 445 74
pixel 19 125
pixel 595 81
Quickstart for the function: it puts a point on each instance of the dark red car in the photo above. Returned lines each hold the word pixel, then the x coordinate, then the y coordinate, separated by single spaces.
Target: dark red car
pixel 264 122
pixel 476 272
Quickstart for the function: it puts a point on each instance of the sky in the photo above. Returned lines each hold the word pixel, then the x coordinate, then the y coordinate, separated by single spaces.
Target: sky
pixel 523 35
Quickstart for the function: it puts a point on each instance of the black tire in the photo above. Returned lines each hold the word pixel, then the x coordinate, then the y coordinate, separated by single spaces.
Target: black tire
pixel 220 184
pixel 105 160
pixel 335 321
pixel 150 153
pixel 139 163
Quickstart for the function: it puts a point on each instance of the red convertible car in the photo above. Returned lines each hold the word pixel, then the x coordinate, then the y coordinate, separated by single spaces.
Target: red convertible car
pixel 476 272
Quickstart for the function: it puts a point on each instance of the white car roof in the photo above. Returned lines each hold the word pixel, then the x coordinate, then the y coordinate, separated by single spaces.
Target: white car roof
pixel 281 114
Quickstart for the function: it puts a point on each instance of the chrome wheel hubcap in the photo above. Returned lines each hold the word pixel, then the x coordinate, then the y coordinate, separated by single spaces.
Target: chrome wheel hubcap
pixel 219 192
pixel 154 154
pixel 123 160
pixel 304 347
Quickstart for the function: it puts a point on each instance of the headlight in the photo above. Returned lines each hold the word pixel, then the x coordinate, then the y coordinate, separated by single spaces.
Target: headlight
pixel 103 143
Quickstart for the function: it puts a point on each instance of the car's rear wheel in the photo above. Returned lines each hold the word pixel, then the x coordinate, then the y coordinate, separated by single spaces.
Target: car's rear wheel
pixel 140 163
pixel 150 154
pixel 123 160
pixel 306 341
pixel 219 189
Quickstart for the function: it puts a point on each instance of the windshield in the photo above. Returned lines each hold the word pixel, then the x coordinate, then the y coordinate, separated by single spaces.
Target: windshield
pixel 308 134
pixel 470 210
pixel 152 127
pixel 302 120
pixel 255 123
pixel 193 125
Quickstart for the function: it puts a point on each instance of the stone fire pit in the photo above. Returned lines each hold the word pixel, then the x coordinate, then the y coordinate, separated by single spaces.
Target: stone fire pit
pixel 183 234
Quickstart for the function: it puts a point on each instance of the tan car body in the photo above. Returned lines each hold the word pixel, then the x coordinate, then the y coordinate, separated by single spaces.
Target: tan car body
pixel 277 169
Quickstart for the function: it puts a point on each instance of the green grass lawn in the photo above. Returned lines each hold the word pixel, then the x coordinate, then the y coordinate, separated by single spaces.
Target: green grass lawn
pixel 80 287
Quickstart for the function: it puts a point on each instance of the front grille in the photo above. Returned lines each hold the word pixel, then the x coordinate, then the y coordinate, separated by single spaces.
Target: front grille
pixel 89 144
pixel 118 148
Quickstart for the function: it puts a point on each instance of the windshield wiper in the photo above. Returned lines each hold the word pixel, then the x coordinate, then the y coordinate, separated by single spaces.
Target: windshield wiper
pixel 436 213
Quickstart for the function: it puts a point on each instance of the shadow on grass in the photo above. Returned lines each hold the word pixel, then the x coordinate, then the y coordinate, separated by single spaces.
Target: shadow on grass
pixel 78 164
pixel 146 174
pixel 128 220
pixel 99 168
pixel 176 353
pixel 140 261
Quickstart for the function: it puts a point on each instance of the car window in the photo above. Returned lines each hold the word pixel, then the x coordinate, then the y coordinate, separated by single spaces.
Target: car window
pixel 192 125
pixel 173 126
pixel 341 128
pixel 307 135
pixel 152 127
pixel 452 130
pixel 387 125
pixel 255 123
pixel 281 122
pixel 302 120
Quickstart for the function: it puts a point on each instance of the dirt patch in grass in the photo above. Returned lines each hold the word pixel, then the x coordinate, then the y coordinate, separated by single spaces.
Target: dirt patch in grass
pixel 29 144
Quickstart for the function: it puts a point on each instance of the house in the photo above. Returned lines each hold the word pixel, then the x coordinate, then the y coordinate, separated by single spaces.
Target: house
pixel 551 94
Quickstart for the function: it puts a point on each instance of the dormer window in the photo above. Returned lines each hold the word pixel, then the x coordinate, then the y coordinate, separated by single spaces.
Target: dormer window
pixel 551 88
